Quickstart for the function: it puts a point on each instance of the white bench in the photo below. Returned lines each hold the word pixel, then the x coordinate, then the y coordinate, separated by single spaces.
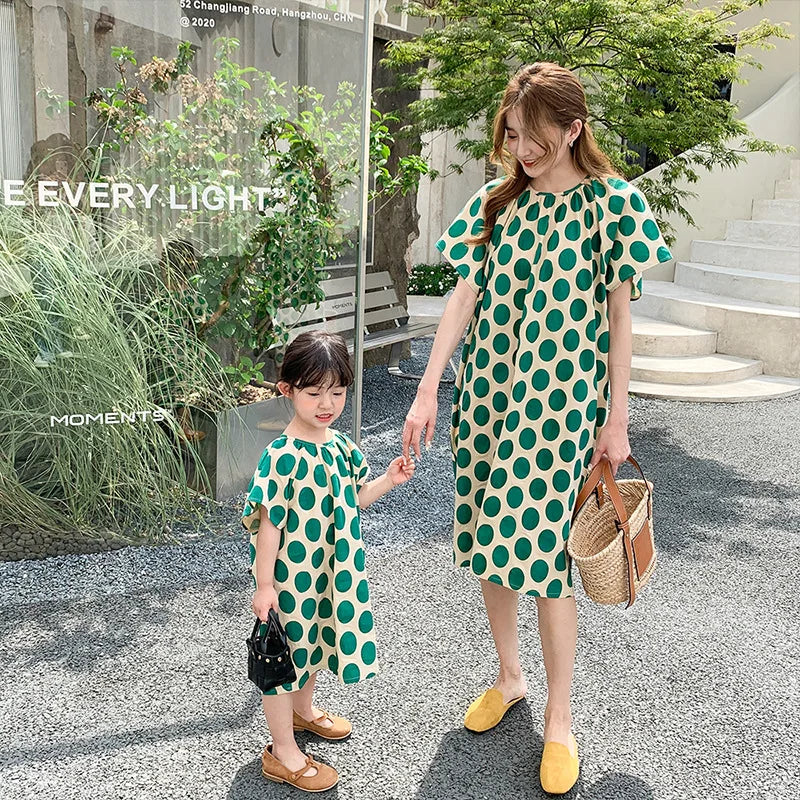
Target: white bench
pixel 336 314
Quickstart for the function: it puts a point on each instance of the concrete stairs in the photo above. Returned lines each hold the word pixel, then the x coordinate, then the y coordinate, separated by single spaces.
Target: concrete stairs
pixel 731 314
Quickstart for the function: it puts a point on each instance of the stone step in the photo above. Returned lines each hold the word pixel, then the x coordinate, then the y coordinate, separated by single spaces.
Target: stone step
pixel 763 387
pixel 693 370
pixel 777 210
pixel 787 189
pixel 655 337
pixel 741 255
pixel 763 287
pixel 769 333
pixel 779 234
pixel 423 308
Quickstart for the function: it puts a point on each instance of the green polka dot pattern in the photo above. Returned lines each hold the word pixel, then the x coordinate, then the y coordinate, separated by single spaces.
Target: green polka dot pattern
pixel 532 390
pixel 310 493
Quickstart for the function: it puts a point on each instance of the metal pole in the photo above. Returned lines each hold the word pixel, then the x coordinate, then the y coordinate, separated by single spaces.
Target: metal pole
pixel 361 261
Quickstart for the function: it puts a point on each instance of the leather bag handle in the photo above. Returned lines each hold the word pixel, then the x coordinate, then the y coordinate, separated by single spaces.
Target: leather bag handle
pixel 271 622
pixel 622 525
pixel 596 476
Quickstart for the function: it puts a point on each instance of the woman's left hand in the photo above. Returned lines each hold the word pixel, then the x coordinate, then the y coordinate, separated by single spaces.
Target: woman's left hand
pixel 612 443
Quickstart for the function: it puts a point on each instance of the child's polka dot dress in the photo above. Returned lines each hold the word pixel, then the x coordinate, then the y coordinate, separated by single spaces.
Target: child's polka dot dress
pixel 532 390
pixel 310 492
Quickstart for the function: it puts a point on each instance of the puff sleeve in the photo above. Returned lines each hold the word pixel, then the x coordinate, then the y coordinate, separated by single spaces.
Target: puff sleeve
pixel 637 241
pixel 468 259
pixel 361 468
pixel 269 491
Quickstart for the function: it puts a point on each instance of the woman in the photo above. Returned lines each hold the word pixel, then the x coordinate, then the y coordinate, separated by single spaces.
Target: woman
pixel 549 258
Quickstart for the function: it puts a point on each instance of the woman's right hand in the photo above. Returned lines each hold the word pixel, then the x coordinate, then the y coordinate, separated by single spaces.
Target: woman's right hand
pixel 421 416
pixel 263 600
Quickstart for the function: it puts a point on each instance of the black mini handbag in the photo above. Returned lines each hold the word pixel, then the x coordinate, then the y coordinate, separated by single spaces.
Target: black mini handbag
pixel 269 660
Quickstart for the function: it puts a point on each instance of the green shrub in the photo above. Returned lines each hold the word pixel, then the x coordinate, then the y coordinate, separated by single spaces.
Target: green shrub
pixel 433 280
pixel 239 128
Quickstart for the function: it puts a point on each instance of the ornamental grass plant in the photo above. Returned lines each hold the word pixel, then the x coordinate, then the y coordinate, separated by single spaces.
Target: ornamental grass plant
pixel 97 357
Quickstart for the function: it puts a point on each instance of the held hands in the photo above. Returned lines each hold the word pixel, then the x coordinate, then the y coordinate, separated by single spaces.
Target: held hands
pixel 400 470
pixel 421 416
pixel 264 599
pixel 612 444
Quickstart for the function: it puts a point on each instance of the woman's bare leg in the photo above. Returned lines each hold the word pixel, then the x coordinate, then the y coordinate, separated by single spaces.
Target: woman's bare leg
pixel 501 607
pixel 558 629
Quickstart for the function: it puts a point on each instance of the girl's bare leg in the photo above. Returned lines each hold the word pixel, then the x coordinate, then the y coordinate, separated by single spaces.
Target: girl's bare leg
pixel 303 703
pixel 278 713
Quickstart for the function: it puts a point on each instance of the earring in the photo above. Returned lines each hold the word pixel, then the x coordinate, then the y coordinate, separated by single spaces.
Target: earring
pixel 572 143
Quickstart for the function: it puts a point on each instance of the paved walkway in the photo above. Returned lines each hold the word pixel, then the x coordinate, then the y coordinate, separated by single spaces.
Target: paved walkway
pixel 124 673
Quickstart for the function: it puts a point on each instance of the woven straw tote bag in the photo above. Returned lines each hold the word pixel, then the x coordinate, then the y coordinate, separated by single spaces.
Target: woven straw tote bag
pixel 611 539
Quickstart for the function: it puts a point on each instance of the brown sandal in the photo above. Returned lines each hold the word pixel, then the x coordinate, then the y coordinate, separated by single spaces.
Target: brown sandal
pixel 326 778
pixel 340 729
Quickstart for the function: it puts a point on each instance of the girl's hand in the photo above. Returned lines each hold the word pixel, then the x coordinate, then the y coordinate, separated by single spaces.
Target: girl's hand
pixel 401 470
pixel 612 443
pixel 421 416
pixel 264 599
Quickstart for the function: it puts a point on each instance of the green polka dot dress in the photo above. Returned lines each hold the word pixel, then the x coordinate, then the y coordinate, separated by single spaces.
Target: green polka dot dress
pixel 532 390
pixel 310 492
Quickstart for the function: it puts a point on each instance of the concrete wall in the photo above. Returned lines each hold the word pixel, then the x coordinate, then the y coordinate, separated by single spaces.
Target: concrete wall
pixel 779 64
pixel 729 194
pixel 440 200
pixel 769 102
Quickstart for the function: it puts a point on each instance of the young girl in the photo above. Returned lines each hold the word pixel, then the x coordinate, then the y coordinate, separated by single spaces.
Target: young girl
pixel 302 512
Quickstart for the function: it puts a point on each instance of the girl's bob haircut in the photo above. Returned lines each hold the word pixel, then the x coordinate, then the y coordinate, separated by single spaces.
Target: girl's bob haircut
pixel 317 358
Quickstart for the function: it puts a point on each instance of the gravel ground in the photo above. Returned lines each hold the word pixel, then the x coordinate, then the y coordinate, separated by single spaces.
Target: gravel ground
pixel 124 672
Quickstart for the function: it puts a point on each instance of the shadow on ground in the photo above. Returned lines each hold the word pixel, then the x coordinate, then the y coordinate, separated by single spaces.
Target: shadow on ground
pixel 109 742
pixel 80 635
pixel 698 498
pixel 504 764
pixel 468 765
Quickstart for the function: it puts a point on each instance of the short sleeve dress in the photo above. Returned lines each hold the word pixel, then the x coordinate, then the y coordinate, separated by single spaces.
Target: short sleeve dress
pixel 532 390
pixel 310 492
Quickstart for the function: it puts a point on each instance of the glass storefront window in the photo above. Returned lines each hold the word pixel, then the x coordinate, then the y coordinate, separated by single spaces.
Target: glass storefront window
pixel 178 179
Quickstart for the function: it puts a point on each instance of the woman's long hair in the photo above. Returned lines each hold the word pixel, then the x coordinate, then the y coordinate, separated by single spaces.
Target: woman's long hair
pixel 545 94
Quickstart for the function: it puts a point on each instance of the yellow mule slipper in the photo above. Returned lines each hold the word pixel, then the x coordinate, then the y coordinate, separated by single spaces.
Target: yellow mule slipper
pixel 487 711
pixel 559 770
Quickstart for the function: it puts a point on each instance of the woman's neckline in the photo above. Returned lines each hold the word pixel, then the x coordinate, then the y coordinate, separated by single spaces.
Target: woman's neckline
pixel 586 179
